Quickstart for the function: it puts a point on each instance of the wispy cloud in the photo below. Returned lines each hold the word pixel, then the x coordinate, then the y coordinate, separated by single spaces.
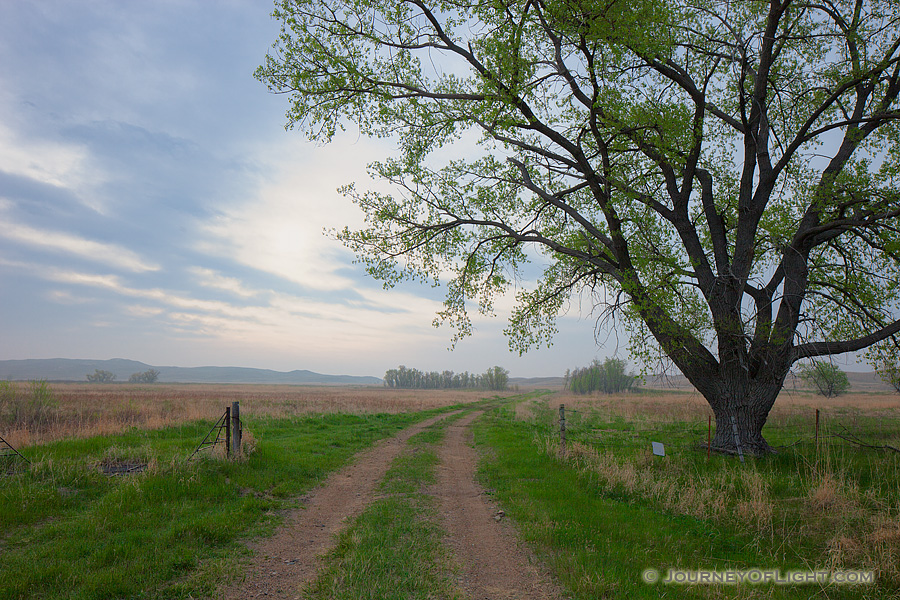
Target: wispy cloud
pixel 112 255
pixel 278 321
pixel 55 163
pixel 280 228
pixel 213 279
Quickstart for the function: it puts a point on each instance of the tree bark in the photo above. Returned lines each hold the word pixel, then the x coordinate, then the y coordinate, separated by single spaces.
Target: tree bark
pixel 741 412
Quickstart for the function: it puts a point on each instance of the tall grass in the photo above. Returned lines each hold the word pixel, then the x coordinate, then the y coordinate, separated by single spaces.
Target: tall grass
pixel 818 503
pixel 66 410
pixel 31 405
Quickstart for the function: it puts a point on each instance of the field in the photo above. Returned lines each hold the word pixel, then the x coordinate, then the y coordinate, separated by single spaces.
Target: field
pixel 602 512
pixel 84 410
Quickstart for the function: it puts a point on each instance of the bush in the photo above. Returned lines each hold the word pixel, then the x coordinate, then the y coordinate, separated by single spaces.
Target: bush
pixel 886 360
pixel 148 376
pixel 825 377
pixel 100 376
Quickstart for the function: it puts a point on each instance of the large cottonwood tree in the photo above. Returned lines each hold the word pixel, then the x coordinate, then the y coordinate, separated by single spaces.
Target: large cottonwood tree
pixel 720 177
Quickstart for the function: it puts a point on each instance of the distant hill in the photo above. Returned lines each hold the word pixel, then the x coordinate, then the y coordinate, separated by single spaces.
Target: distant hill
pixel 67 369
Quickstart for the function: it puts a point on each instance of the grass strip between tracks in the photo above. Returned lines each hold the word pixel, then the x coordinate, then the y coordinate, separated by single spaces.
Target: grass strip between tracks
pixel 393 550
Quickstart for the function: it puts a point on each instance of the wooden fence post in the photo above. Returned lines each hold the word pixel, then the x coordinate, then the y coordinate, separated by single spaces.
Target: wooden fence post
pixel 236 428
pixel 708 436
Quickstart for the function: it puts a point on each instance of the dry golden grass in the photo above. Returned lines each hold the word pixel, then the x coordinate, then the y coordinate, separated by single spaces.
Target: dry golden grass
pixel 791 408
pixel 84 409
pixel 744 493
pixel 857 526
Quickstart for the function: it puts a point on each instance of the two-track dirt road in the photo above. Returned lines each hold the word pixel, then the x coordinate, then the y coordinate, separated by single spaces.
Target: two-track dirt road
pixel 493 565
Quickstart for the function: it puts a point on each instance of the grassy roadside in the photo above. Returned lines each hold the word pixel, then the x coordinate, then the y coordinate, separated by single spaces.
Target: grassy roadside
pixel 393 550
pixel 600 535
pixel 67 531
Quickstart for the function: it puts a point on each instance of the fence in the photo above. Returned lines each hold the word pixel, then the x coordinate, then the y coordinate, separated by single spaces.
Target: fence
pixel 8 455
pixel 812 427
pixel 228 424
pixel 228 430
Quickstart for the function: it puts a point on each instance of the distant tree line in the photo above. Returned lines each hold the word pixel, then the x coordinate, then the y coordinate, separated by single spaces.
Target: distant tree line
pixel 101 376
pixel 495 378
pixel 608 377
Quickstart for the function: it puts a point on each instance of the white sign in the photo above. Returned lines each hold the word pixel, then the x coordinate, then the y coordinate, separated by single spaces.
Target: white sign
pixel 658 448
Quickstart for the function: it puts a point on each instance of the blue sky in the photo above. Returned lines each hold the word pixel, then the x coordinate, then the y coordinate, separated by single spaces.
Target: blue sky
pixel 153 207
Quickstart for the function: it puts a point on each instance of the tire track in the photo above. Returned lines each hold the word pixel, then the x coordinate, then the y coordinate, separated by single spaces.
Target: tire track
pixel 283 562
pixel 494 565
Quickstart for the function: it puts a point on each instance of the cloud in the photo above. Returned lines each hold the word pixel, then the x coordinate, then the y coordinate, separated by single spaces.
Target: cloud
pixel 279 229
pixel 58 164
pixel 210 278
pixel 282 319
pixel 108 254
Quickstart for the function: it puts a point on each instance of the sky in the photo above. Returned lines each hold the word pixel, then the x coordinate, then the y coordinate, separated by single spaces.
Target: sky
pixel 153 207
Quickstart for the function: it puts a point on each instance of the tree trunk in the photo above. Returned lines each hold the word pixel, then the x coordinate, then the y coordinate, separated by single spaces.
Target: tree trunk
pixel 740 418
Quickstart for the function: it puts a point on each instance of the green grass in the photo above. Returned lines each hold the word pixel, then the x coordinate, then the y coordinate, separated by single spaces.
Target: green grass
pixel 393 550
pixel 599 534
pixel 69 532
pixel 599 517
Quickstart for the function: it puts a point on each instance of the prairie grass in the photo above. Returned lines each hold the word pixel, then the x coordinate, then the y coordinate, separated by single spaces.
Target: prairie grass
pixel 820 502
pixel 173 529
pixel 85 410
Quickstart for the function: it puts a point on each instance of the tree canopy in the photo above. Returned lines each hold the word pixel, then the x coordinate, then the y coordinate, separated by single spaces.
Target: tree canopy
pixel 718 177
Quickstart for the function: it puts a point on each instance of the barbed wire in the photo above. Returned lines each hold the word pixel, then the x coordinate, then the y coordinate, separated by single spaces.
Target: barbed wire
pixel 838 429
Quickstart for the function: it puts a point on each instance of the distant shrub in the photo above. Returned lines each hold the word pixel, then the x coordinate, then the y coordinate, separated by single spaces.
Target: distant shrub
pixel 148 376
pixel 33 407
pixel 8 392
pixel 825 377
pixel 101 376
pixel 886 359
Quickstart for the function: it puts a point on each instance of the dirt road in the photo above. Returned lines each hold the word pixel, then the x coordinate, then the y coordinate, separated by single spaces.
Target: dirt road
pixel 493 565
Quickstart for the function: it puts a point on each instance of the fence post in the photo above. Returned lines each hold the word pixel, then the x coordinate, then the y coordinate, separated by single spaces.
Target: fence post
pixel 708 436
pixel 562 428
pixel 236 428
pixel 227 431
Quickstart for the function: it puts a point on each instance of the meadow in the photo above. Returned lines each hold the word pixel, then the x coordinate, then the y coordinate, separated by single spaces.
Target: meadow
pixel 38 412
pixel 606 509
pixel 600 511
